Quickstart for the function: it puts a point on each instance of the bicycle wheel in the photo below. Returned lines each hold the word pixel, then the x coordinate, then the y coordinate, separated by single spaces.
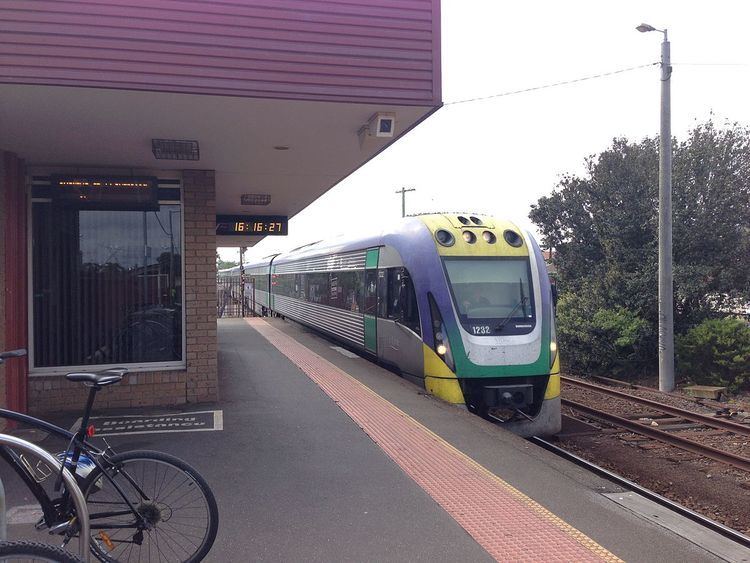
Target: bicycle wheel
pixel 177 505
pixel 23 551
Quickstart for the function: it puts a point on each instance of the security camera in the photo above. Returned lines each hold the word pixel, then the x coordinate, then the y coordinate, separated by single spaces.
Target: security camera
pixel 382 125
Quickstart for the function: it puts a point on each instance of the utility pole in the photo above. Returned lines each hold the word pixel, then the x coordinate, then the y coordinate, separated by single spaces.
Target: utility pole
pixel 403 191
pixel 666 291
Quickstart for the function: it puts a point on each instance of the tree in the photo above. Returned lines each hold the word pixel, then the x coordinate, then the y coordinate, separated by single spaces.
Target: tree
pixel 224 264
pixel 603 226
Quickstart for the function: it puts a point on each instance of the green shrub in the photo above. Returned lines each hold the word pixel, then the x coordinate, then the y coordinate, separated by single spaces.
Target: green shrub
pixel 716 352
pixel 598 341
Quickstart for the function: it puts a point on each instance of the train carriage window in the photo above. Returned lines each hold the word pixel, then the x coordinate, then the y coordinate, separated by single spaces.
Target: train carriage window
pixel 334 291
pixel 299 286
pixel 383 294
pixel 394 293
pixel 371 296
pixel 317 288
pixel 402 299
pixel 347 290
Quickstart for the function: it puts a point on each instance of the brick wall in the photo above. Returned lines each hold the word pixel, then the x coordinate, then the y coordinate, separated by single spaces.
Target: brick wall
pixel 199 382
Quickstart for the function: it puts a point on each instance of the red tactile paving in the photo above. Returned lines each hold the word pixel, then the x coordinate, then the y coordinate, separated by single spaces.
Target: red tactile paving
pixel 504 521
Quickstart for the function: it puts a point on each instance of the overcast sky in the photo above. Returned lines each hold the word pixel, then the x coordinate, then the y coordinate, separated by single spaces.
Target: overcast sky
pixel 499 156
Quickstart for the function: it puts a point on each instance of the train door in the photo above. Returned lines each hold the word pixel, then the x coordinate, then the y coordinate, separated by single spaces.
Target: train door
pixel 399 333
pixel 371 300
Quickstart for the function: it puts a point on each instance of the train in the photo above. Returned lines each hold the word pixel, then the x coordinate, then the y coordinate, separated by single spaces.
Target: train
pixel 460 304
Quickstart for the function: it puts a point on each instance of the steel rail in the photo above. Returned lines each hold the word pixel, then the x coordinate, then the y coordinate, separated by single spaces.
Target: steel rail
pixel 684 443
pixel 718 423
pixel 648 493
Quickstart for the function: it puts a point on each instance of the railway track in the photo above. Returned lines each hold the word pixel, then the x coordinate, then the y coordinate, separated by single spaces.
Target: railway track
pixel 726 531
pixel 708 420
pixel 664 436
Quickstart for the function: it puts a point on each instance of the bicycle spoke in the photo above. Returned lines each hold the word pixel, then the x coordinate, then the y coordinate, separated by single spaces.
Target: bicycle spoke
pixel 171 511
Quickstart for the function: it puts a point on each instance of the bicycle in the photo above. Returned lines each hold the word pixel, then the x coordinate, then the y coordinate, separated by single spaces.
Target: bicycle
pixel 141 503
pixel 22 551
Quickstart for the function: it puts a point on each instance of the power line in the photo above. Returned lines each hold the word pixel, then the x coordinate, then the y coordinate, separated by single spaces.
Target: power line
pixel 553 85
pixel 710 64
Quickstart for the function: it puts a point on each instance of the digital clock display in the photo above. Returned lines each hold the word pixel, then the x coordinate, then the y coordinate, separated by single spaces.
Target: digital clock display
pixel 251 225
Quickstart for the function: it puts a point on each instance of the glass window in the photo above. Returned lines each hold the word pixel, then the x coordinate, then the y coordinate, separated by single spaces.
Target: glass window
pixel 382 293
pixel 489 293
pixel 107 285
pixel 334 291
pixel 347 290
pixel 317 288
pixel 371 295
pixel 402 299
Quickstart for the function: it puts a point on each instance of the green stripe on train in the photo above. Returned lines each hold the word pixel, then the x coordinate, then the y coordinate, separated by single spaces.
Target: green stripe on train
pixel 371 334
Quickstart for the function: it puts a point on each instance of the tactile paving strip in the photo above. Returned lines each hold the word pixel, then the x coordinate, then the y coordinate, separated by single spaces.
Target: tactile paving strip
pixel 504 521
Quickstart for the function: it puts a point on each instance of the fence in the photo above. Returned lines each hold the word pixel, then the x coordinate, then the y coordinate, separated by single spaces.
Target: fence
pixel 231 298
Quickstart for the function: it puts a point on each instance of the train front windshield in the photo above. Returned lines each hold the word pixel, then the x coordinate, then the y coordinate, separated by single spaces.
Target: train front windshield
pixel 493 296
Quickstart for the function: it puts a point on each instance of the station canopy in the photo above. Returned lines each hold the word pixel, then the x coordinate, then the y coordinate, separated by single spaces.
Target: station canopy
pixel 290 150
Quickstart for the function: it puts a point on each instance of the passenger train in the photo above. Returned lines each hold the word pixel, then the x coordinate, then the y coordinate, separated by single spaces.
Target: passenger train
pixel 461 304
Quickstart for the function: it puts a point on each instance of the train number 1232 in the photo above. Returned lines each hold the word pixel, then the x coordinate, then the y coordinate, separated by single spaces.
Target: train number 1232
pixel 481 329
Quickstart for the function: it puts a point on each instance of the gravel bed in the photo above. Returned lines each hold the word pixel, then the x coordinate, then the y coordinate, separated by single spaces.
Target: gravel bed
pixel 717 492
pixel 739 406
pixel 723 440
pixel 711 488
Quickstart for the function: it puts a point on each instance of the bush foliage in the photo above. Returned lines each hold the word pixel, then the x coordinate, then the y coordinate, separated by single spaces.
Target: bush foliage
pixel 600 341
pixel 602 228
pixel 716 352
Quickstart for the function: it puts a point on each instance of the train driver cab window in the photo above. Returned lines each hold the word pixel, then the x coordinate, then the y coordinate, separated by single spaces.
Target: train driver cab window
pixel 402 299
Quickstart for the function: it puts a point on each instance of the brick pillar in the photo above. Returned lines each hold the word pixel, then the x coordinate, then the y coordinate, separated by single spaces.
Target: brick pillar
pixel 199 208
pixel 13 300
pixel 2 279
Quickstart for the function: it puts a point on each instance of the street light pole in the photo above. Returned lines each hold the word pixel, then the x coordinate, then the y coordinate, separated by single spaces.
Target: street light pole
pixel 666 295
pixel 403 191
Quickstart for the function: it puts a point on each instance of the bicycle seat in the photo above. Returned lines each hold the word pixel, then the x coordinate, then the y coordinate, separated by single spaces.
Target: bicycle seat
pixel 99 379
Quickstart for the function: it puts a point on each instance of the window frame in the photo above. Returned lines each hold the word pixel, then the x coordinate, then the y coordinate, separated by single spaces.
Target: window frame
pixel 173 365
pixel 464 322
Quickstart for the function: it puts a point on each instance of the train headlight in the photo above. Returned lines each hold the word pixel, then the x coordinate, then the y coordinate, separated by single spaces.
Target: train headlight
pixel 444 237
pixel 553 345
pixel 442 345
pixel 469 237
pixel 512 238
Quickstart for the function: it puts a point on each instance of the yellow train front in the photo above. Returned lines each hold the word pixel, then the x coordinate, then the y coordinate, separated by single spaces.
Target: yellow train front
pixel 460 304
pixel 492 344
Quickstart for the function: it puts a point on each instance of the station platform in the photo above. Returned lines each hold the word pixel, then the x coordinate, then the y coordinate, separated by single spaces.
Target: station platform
pixel 325 456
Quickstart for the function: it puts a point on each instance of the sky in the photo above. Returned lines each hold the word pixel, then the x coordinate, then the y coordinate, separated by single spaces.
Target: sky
pixel 499 156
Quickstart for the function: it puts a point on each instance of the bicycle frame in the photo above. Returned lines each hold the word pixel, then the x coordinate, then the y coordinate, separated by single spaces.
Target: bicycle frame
pixel 52 516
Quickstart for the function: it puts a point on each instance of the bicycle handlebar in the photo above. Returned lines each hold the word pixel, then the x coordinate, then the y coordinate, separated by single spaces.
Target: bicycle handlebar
pixel 12 354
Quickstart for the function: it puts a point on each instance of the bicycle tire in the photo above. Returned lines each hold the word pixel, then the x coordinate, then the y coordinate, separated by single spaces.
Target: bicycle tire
pixel 157 510
pixel 34 551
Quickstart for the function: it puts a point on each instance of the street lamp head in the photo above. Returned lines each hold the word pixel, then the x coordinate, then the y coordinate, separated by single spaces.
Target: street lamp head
pixel 644 27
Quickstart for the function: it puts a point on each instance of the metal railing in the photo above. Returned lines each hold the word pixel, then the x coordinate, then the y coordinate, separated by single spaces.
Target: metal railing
pixel 79 501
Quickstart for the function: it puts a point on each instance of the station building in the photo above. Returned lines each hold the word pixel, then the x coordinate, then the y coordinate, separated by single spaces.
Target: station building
pixel 126 129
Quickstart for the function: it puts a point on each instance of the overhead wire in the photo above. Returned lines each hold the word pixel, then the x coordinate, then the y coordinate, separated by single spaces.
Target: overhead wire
pixel 551 85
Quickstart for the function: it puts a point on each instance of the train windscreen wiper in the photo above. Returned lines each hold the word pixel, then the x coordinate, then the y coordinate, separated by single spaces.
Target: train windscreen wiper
pixel 522 301
pixel 505 321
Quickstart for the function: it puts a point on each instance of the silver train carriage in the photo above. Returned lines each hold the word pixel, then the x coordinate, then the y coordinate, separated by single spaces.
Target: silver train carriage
pixel 460 304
